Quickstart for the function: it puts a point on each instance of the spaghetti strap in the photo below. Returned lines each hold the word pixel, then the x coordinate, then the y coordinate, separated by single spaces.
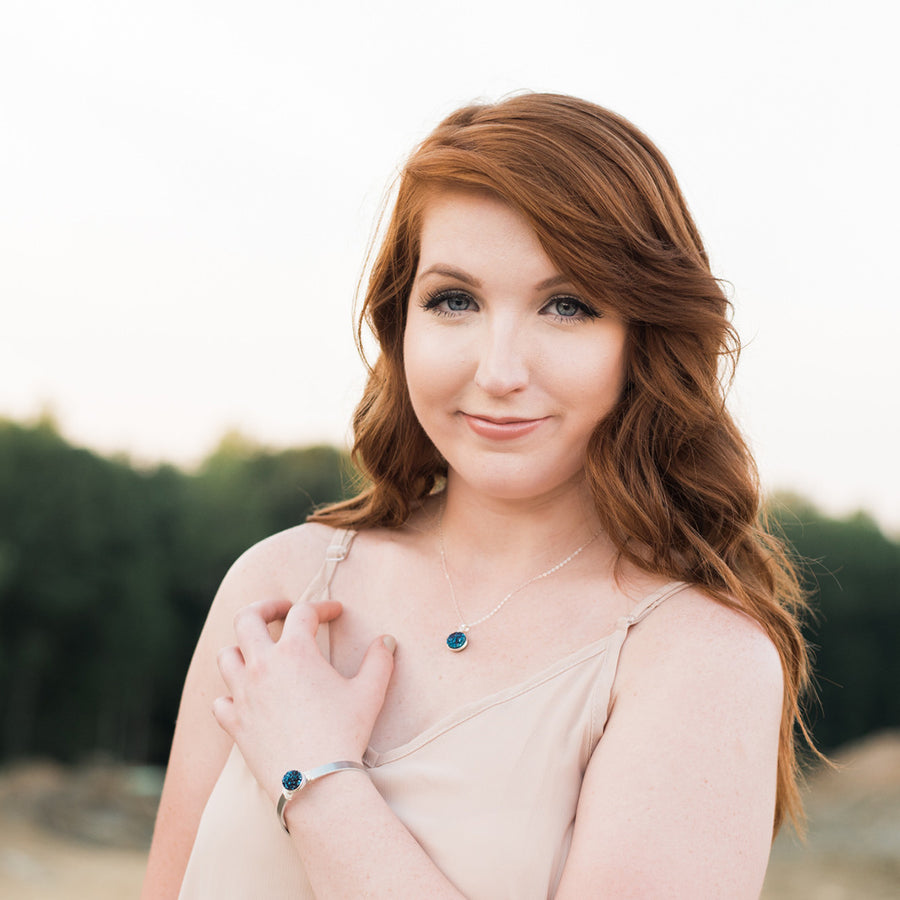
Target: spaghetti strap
pixel 603 689
pixel 320 587
pixel 337 550
pixel 649 603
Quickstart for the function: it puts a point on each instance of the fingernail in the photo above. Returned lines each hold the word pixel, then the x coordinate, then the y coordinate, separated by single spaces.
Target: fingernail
pixel 389 641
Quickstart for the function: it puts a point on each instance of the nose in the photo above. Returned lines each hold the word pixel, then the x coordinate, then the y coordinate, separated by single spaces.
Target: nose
pixel 503 366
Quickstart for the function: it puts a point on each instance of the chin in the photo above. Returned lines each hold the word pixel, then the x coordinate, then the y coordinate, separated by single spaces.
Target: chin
pixel 518 486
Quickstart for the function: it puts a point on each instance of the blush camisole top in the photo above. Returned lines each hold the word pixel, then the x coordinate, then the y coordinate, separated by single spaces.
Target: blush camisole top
pixel 489 791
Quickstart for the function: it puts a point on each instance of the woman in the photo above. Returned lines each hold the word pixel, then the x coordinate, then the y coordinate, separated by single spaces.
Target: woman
pixel 558 494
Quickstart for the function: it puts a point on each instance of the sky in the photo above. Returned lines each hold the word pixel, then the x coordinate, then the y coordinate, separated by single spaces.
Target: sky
pixel 188 190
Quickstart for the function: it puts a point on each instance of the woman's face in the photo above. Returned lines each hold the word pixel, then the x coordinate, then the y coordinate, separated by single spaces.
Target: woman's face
pixel 509 367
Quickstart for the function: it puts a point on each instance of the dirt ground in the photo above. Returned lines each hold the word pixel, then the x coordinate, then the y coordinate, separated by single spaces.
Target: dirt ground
pixel 853 847
pixel 75 833
pixel 81 834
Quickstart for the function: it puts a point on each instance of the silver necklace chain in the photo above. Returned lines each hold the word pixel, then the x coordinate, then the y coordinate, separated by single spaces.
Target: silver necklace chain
pixel 458 640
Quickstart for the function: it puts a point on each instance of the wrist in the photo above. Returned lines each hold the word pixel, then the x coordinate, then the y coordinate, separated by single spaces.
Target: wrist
pixel 294 781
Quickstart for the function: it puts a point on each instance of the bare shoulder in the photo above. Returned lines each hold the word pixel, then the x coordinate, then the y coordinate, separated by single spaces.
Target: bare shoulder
pixel 282 564
pixel 693 637
pixel 679 794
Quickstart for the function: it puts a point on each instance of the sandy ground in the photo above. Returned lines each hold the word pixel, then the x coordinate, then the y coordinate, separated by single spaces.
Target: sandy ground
pixel 82 834
pixel 853 847
pixel 36 866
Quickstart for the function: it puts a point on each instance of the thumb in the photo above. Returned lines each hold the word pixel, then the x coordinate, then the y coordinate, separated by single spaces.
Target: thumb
pixel 377 666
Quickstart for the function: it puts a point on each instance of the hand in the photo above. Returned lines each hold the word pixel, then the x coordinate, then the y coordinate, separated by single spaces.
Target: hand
pixel 289 708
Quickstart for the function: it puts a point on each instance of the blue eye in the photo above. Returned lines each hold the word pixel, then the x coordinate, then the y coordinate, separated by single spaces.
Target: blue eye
pixel 566 307
pixel 569 308
pixel 457 304
pixel 448 302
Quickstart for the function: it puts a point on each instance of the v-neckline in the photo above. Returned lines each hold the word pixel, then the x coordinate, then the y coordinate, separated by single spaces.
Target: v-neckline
pixel 374 758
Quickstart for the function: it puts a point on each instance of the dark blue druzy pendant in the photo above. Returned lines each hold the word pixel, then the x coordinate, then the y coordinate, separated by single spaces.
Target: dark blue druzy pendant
pixel 292 780
pixel 457 641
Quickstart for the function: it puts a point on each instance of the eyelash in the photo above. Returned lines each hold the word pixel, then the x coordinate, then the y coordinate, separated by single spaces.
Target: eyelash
pixel 432 301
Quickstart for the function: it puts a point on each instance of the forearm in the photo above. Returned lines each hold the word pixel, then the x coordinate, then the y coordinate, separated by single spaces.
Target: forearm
pixel 352 844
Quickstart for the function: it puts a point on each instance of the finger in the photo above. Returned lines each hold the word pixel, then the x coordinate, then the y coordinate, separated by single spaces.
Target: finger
pixel 377 667
pixel 251 622
pixel 327 610
pixel 307 617
pixel 230 661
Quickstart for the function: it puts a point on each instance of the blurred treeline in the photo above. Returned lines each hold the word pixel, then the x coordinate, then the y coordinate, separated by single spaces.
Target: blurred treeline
pixel 107 571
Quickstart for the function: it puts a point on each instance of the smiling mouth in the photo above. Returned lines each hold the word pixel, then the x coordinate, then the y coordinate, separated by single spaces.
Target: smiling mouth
pixel 504 428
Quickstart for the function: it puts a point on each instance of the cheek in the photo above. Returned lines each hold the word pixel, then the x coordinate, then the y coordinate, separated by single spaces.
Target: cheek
pixel 596 383
pixel 433 357
pixel 412 362
pixel 424 365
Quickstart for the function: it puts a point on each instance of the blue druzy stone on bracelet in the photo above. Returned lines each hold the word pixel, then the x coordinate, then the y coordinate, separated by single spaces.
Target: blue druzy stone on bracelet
pixel 457 641
pixel 292 780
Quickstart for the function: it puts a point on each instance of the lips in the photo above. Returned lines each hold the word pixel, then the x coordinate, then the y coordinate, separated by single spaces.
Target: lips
pixel 505 428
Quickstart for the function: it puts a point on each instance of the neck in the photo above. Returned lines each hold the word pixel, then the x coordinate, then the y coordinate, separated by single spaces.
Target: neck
pixel 524 535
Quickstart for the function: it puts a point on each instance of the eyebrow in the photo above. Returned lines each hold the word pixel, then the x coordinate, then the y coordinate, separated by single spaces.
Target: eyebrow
pixel 460 275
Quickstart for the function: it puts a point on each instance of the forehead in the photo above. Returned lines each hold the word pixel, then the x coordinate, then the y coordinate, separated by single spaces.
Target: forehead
pixel 478 230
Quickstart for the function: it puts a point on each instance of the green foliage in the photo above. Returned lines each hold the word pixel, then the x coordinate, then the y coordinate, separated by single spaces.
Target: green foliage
pixel 107 571
pixel 854 581
pixel 106 574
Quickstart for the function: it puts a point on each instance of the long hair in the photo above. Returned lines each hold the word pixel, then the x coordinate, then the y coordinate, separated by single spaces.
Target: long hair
pixel 674 483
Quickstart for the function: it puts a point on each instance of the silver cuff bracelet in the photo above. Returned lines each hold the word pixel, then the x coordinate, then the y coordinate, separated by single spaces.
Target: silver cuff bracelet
pixel 293 781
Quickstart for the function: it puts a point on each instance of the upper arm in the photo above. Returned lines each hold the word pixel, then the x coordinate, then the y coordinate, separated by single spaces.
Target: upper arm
pixel 678 798
pixel 277 566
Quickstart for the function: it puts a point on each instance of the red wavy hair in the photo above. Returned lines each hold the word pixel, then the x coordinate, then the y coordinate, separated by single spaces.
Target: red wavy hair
pixel 674 483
